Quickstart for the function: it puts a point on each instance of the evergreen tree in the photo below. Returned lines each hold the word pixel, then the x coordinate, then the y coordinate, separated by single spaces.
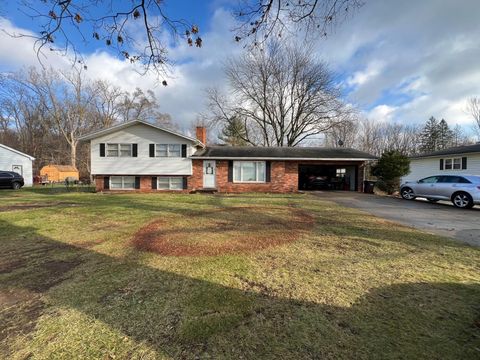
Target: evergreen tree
pixel 429 138
pixel 391 166
pixel 234 132
pixel 445 135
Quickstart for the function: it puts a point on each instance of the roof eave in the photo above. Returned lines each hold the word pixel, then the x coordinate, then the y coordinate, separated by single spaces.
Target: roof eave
pixel 17 152
pixel 441 155
pixel 118 127
pixel 277 158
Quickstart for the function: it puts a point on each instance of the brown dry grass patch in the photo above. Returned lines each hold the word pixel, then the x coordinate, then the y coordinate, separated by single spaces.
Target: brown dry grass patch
pixel 223 231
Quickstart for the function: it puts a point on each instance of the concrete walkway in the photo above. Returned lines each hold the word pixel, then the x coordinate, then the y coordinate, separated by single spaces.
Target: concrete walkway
pixel 440 218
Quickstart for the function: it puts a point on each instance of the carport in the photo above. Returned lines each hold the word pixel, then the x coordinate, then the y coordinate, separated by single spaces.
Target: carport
pixel 328 176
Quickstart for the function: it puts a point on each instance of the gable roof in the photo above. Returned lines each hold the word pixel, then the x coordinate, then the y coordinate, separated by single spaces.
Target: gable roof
pixel 127 124
pixel 64 168
pixel 281 153
pixel 17 152
pixel 458 150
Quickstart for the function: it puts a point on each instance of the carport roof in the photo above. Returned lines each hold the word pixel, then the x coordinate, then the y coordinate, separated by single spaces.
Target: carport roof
pixel 458 150
pixel 281 153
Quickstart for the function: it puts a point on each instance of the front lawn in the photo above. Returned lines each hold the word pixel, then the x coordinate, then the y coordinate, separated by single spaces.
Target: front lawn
pixel 147 276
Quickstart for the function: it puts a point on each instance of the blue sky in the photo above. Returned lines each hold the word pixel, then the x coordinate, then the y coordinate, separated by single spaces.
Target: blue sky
pixel 398 61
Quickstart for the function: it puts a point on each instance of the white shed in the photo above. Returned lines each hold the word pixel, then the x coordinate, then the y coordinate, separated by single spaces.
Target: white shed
pixel 14 160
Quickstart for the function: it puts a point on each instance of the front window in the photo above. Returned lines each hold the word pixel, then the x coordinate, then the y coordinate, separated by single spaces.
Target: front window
pixel 169 183
pixel 453 164
pixel 122 150
pixel 249 171
pixel 168 150
pixel 122 182
pixel 341 172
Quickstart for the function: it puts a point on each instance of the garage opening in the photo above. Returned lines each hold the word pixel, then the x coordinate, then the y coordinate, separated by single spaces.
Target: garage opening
pixel 327 177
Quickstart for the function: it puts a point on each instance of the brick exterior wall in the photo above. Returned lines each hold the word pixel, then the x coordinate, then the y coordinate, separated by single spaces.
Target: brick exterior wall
pixel 283 178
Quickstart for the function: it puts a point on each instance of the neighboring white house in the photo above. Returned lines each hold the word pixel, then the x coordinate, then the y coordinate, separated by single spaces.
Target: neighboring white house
pixel 126 156
pixel 14 160
pixel 457 160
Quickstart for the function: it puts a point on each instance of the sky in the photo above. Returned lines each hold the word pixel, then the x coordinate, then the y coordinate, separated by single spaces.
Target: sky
pixel 397 61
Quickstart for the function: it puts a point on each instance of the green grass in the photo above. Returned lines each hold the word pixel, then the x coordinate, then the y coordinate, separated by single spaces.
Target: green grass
pixel 73 285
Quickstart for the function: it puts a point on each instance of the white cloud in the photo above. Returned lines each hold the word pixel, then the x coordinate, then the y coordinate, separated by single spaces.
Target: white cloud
pixel 405 60
pixel 430 54
pixel 381 113
pixel 369 74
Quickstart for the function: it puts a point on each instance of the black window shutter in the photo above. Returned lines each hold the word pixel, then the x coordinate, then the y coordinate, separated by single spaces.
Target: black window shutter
pixel 268 167
pixel 184 150
pixel 464 163
pixel 106 182
pixel 134 150
pixel 102 150
pixel 185 183
pixel 152 150
pixel 137 182
pixel 230 171
pixel 441 164
pixel 154 182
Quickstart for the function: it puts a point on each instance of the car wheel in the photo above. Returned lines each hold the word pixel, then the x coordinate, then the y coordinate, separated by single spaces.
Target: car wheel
pixel 462 200
pixel 16 186
pixel 407 193
pixel 433 200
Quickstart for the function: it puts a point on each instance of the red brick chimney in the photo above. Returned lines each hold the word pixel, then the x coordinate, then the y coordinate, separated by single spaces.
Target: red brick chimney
pixel 202 134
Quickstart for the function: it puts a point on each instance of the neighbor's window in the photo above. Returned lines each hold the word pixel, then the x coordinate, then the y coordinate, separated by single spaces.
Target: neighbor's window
pixel 122 150
pixel 249 171
pixel 122 182
pixel 168 150
pixel 169 183
pixel 341 172
pixel 453 164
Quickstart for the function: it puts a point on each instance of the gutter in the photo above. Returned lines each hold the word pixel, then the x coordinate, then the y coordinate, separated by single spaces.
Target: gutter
pixel 276 158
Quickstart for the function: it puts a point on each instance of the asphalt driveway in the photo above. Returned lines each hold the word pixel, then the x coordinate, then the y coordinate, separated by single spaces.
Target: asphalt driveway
pixel 440 218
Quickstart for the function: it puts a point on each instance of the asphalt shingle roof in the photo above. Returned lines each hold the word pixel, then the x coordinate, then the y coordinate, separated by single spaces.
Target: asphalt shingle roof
pixel 257 152
pixel 451 151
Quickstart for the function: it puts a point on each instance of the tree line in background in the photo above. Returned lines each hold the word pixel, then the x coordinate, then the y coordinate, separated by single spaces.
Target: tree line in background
pixel 44 112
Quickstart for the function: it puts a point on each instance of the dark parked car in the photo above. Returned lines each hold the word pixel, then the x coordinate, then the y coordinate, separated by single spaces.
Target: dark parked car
pixel 11 180
pixel 319 183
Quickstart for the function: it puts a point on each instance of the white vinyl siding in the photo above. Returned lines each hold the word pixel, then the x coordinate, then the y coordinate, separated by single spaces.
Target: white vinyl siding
pixel 122 150
pixel 168 150
pixel 249 171
pixel 143 164
pixel 122 182
pixel 422 168
pixel 170 183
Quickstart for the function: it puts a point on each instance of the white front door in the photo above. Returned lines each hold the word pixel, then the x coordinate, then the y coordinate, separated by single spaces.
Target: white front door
pixel 209 171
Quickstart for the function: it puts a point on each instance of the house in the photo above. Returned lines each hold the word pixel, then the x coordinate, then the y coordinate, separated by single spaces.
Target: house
pixel 140 156
pixel 14 160
pixel 58 173
pixel 455 160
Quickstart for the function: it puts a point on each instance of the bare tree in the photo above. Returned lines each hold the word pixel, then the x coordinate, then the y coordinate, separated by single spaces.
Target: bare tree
pixel 261 19
pixel 473 109
pixel 133 29
pixel 141 30
pixel 344 134
pixel 282 94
